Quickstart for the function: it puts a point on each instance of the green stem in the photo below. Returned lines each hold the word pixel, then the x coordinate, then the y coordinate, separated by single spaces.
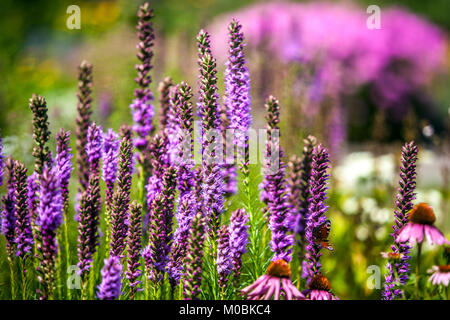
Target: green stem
pixel 419 251
pixel 12 274
pixel 67 249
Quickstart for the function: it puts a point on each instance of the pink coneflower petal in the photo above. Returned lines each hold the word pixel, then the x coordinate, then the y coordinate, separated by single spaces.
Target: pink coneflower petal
pixel 435 236
pixel 260 281
pixel 277 291
pixel 411 232
pixel 441 275
pixel 287 289
pixel 271 288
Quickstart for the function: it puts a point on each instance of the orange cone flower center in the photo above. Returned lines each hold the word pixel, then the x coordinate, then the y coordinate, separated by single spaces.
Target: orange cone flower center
pixel 320 282
pixel 445 268
pixel 423 214
pixel 279 268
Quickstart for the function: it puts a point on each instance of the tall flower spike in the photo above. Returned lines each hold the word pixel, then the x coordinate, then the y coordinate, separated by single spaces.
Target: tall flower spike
pixel 223 257
pixel 111 145
pixel 24 235
pixel 134 247
pixel 238 241
pixel 41 132
pixel 33 199
pixel 164 101
pixel 316 212
pixel 142 108
pixel 48 220
pixel 64 163
pixel 1 161
pixel 299 192
pixel 8 214
pixel 275 189
pixel 192 280
pixel 404 203
pixel 212 162
pixel 160 226
pixel 83 121
pixel 121 198
pixel 111 286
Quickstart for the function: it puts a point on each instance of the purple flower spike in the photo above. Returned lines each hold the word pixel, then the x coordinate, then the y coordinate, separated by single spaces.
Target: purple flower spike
pixel 24 235
pixel 275 189
pixel 1 161
pixel 111 286
pixel 33 199
pixel 41 133
pixel 48 220
pixel 238 240
pixel 134 247
pixel 111 144
pixel 404 202
pixel 94 148
pixel 64 163
pixel 223 257
pixel 317 221
pixel 8 214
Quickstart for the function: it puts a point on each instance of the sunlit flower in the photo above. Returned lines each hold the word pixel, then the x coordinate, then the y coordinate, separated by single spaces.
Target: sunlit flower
pixel 421 220
pixel 319 289
pixel 274 284
pixel 440 275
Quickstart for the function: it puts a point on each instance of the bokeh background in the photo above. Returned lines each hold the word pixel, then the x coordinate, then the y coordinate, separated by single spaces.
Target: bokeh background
pixel 362 92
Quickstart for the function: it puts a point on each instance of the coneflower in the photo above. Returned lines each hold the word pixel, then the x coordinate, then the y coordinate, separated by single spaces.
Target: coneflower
pixel 23 234
pixel 317 225
pixel 64 163
pixel 134 248
pixel 41 132
pixel 192 280
pixel 164 89
pixel 319 289
pixel 160 226
pixel 398 272
pixel 275 189
pixel 211 136
pixel 83 121
pixel 111 145
pixel 48 220
pixel 299 191
pixel 224 258
pixel 121 198
pixel 238 241
pixel 111 286
pixel 142 108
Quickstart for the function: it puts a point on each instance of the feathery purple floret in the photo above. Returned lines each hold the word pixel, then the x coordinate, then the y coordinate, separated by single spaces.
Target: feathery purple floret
pixel 24 235
pixel 134 248
pixel 33 199
pixel 192 281
pixel 111 286
pixel 94 147
pixel 238 240
pixel 275 190
pixel 64 163
pixel 404 203
pixel 224 256
pixel 49 218
pixel 316 210
pixel 111 144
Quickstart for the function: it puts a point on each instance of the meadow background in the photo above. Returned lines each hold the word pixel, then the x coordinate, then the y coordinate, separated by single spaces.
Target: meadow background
pixel 38 54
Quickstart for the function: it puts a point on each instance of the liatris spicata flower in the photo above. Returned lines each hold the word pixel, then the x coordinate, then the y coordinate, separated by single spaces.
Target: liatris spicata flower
pixel 160 226
pixel 48 220
pixel 164 89
pixel 121 198
pixel 319 289
pixel 134 247
pixel 111 145
pixel 440 275
pixel 192 280
pixel 41 132
pixel 142 107
pixel 33 199
pixel 398 272
pixel 211 136
pixel 275 188
pixel 24 235
pixel 223 257
pixel 83 121
pixel 94 148
pixel 64 163
pixel 317 225
pixel 420 225
pixel 111 286
pixel 8 214
pixel 238 240
pixel 274 284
